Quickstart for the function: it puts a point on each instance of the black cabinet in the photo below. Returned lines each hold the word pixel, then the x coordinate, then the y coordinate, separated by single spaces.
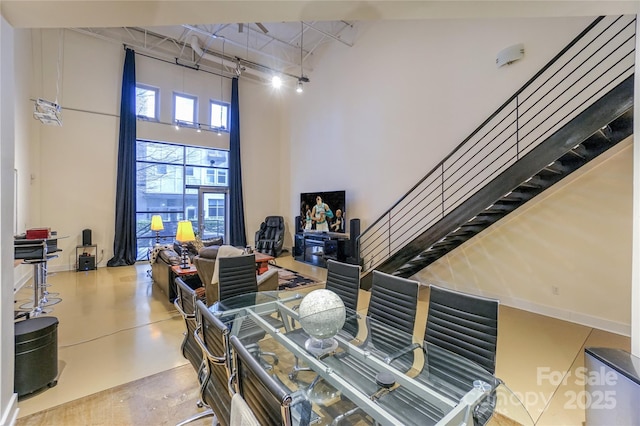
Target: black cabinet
pixel 316 247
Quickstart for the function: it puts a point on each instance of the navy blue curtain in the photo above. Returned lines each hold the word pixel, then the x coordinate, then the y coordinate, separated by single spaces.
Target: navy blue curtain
pixel 237 235
pixel 124 243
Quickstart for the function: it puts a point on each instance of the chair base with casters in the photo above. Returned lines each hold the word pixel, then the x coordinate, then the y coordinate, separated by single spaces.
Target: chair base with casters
pixel 208 413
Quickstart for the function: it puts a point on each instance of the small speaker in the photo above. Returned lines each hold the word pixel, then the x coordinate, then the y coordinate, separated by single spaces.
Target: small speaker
pixel 298 225
pixel 86 263
pixel 298 247
pixel 354 233
pixel 86 237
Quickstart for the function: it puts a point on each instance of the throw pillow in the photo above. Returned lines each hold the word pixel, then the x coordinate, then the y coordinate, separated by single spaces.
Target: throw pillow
pixel 213 242
pixel 197 244
pixel 170 256
pixel 209 252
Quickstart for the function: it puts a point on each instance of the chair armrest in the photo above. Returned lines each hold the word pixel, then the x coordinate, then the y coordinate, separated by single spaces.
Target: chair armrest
pixel 232 378
pixel 268 281
pixel 392 357
pixel 180 310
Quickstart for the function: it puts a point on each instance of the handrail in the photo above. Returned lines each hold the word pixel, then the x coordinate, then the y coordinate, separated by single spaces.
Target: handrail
pixel 582 72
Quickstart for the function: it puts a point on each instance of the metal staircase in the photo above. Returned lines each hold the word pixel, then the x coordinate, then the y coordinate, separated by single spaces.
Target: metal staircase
pixel 550 173
pixel 577 107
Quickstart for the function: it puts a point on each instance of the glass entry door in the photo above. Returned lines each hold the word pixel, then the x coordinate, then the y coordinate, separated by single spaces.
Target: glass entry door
pixel 213 212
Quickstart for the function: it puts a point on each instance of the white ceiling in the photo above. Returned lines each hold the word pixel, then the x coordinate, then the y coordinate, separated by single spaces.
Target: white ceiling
pixel 196 32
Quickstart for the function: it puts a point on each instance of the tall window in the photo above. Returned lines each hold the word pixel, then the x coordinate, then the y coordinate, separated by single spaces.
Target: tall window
pixel 147 101
pixel 220 116
pixel 184 109
pixel 167 180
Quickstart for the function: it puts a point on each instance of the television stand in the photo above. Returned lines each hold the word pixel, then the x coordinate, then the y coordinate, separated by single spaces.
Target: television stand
pixel 316 247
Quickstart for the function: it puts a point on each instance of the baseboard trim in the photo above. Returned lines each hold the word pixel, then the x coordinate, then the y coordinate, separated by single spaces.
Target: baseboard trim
pixel 553 312
pixel 576 317
pixel 10 412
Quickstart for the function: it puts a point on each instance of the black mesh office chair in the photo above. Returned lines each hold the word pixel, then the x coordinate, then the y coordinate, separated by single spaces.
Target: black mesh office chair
pixel 392 309
pixel 393 305
pixel 344 280
pixel 270 400
pixel 464 325
pixel 237 276
pixel 212 336
pixel 185 302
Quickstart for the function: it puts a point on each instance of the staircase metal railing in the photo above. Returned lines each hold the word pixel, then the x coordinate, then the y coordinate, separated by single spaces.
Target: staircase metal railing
pixel 598 59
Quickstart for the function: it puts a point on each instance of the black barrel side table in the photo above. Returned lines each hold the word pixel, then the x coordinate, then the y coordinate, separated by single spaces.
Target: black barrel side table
pixel 36 354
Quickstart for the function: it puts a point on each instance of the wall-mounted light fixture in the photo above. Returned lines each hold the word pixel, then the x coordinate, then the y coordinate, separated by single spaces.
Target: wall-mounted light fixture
pixel 510 54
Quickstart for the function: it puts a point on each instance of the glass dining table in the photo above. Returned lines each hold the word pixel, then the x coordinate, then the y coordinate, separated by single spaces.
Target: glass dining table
pixel 361 378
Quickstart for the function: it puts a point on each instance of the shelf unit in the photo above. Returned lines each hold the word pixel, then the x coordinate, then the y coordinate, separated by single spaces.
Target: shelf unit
pixel 86 260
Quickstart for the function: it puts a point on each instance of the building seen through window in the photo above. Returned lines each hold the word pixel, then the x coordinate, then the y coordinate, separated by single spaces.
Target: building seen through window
pixel 167 180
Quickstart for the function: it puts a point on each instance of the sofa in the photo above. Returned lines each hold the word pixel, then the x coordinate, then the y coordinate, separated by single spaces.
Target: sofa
pixel 163 276
pixel 164 257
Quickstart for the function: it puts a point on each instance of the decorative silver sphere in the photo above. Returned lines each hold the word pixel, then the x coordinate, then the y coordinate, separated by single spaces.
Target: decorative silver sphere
pixel 322 314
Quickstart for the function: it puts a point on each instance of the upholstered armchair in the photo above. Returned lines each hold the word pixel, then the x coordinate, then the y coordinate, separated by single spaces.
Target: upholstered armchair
pixel 270 236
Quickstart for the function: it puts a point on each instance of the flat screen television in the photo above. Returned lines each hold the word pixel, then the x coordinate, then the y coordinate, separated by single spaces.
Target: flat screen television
pixel 328 214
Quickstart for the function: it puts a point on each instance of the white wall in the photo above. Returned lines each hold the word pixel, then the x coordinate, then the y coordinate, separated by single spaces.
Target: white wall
pixel 75 181
pixel 377 117
pixel 380 115
pixel 25 132
pixel 575 238
pixel 8 400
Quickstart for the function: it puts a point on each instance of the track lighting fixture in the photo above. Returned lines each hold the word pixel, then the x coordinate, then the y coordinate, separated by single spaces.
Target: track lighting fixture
pixel 276 81
pixel 299 89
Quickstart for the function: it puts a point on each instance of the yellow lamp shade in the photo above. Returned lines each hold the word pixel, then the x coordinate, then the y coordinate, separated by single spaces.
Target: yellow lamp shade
pixel 156 223
pixel 185 231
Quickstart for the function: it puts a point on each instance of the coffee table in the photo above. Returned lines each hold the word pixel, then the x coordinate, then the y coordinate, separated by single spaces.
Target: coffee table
pixel 262 262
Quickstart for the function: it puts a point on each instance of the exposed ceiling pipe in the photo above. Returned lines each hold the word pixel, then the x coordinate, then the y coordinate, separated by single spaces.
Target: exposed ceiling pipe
pixel 267 74
pixel 250 49
pixel 195 45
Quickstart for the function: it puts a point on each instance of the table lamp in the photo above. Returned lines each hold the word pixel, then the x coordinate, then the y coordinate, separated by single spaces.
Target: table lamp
pixel 157 226
pixel 183 236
